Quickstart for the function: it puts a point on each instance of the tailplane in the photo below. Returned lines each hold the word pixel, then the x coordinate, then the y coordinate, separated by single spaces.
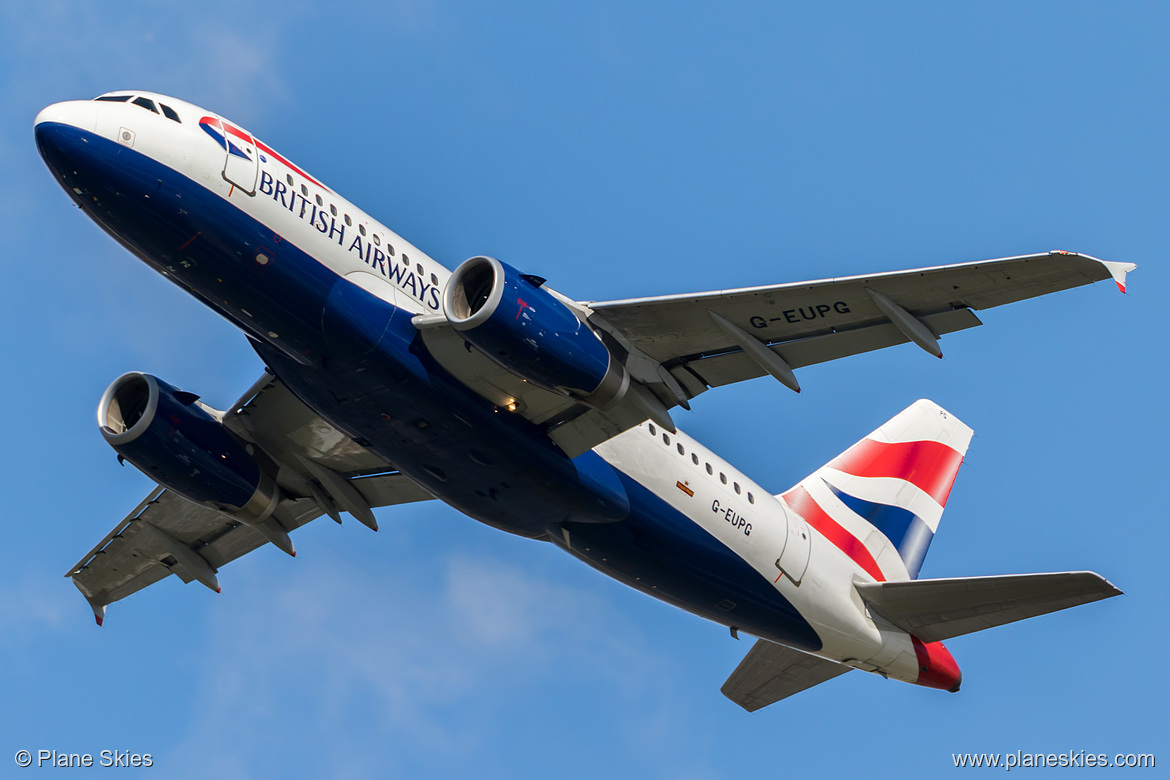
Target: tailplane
pixel 881 500
pixel 933 610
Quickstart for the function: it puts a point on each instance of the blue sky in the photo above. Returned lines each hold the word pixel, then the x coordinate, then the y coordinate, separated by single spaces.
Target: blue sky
pixel 618 151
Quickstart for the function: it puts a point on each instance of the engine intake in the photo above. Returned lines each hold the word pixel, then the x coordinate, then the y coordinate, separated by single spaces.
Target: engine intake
pixel 172 439
pixel 523 328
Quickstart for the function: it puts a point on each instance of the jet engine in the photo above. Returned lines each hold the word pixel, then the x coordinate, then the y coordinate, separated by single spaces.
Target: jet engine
pixel 176 442
pixel 522 327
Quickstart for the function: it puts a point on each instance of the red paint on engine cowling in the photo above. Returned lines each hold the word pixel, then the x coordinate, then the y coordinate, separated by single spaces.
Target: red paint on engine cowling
pixel 936 666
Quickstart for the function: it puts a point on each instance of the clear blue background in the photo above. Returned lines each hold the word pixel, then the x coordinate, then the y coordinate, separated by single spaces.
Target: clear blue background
pixel 619 151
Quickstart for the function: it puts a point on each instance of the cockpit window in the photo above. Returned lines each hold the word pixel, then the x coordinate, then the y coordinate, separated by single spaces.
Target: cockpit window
pixel 169 113
pixel 146 103
pixel 114 98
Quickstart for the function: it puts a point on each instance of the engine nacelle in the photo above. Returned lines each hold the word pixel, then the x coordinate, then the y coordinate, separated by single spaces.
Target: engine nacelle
pixel 523 328
pixel 169 437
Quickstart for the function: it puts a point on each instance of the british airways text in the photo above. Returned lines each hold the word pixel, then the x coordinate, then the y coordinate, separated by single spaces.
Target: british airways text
pixel 383 262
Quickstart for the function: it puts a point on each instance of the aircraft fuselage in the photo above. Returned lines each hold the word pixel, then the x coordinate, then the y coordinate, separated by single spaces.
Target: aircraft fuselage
pixel 326 295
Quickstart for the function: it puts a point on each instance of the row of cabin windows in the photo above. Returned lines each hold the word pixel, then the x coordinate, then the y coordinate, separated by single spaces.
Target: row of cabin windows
pixel 144 102
pixel 169 113
pixel 349 222
pixel 695 460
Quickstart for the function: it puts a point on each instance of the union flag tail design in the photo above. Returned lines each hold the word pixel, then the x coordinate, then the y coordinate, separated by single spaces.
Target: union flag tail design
pixel 881 500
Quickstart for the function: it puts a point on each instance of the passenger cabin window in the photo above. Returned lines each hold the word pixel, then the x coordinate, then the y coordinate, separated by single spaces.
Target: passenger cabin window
pixel 320 202
pixel 304 190
pixel 736 486
pixel 681 451
pixel 377 240
pixel 348 221
pixel 169 113
pixel 751 498
pixel 709 469
pixel 114 98
pixel 146 103
pixel 434 279
pixel 362 229
pixel 694 458
pixel 418 267
pixel 653 430
pixel 722 477
pixel 332 209
pixel 289 179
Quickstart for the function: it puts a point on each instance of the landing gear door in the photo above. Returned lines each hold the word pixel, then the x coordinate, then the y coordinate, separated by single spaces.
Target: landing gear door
pixel 242 166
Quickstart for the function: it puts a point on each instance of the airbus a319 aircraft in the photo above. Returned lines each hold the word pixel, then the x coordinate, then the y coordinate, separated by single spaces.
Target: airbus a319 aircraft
pixel 389 379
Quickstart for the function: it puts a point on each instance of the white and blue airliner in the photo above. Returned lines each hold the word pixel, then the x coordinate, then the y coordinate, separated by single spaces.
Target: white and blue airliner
pixel 389 379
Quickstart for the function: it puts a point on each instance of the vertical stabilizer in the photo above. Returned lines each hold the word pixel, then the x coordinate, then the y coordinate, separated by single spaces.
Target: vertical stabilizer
pixel 881 500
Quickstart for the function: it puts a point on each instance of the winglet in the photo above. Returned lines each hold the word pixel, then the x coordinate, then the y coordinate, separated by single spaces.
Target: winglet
pixel 1118 271
pixel 1115 269
pixel 99 609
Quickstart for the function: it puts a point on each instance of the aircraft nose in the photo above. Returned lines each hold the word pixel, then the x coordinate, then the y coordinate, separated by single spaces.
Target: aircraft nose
pixel 81 114
pixel 936 666
pixel 60 131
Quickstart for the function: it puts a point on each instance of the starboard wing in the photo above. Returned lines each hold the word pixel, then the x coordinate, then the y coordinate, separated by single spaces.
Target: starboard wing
pixel 678 346
pixel 813 322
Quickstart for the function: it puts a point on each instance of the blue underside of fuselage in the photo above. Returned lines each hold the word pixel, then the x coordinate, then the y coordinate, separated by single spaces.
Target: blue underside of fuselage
pixel 359 363
pixel 661 552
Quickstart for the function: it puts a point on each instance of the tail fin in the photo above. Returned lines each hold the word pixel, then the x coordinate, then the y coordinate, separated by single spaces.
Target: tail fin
pixel 881 500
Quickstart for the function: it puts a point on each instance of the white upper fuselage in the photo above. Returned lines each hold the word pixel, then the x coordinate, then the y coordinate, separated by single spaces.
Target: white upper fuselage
pixel 296 204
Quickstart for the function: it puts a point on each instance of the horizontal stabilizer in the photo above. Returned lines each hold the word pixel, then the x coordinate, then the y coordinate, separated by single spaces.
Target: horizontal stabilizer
pixel 771 672
pixel 933 610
